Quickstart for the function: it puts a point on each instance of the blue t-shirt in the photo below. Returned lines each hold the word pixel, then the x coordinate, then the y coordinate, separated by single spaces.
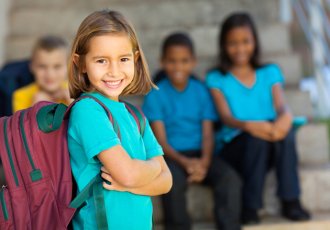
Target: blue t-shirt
pixel 89 133
pixel 247 103
pixel 182 112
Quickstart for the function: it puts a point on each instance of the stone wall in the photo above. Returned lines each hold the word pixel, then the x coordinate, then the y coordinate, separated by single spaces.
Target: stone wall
pixel 153 20
pixel 4 22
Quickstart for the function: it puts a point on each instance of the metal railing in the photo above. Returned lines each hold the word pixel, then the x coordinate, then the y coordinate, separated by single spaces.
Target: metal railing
pixel 314 21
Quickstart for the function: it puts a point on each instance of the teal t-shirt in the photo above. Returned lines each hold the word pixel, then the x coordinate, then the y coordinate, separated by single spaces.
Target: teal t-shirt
pixel 89 133
pixel 246 103
pixel 182 112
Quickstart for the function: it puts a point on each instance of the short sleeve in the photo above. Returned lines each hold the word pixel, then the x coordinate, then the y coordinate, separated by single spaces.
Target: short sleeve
pixel 276 76
pixel 22 98
pixel 213 80
pixel 209 111
pixel 151 144
pixel 90 127
pixel 19 101
pixel 152 107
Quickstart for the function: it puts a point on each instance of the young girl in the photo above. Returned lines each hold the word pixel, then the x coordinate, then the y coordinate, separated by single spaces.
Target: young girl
pixel 257 123
pixel 182 114
pixel 108 62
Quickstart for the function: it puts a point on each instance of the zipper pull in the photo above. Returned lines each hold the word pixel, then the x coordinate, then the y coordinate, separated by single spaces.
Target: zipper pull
pixel 3 187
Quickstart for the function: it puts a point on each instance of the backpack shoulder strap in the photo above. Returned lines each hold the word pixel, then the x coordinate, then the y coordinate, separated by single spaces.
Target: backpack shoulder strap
pixel 109 114
pixel 50 117
pixel 138 115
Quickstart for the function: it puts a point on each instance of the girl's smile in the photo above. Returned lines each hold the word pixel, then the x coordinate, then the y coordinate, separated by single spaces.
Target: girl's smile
pixel 113 84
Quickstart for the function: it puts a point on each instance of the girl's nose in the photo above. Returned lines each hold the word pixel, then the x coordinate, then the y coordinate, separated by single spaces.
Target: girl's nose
pixel 113 70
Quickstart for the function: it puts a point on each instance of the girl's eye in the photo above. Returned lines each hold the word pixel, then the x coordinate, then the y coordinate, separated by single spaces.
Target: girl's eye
pixel 124 59
pixel 101 61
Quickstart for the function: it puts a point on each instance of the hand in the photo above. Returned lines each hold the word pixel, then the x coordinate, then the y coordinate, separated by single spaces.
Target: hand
pixel 199 170
pixel 114 185
pixel 188 164
pixel 260 129
pixel 281 127
pixel 198 175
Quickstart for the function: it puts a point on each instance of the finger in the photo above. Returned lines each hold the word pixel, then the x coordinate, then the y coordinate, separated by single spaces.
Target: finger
pixel 103 169
pixel 106 176
pixel 107 186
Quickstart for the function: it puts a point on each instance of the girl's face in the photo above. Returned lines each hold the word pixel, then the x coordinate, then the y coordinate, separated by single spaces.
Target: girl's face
pixel 240 45
pixel 110 64
pixel 178 63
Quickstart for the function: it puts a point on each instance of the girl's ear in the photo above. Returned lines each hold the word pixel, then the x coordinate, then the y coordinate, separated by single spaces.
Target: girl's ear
pixel 136 56
pixel 76 60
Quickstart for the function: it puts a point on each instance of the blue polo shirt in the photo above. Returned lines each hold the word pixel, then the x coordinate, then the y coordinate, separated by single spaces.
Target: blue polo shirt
pixel 182 112
pixel 89 133
pixel 253 103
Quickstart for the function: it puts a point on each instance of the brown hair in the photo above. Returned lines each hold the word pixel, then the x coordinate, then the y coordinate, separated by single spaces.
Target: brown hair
pixel 49 43
pixel 100 23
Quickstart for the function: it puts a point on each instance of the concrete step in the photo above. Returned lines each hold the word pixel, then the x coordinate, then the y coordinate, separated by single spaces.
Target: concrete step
pixel 315 196
pixel 315 185
pixel 291 66
pixel 299 102
pixel 271 45
pixel 161 14
pixel 313 144
pixel 320 221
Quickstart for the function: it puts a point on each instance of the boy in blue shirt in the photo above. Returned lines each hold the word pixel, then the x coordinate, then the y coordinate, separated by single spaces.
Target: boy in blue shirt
pixel 181 113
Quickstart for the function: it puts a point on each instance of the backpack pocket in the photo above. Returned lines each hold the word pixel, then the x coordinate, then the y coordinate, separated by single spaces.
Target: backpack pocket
pixel 43 206
pixel 6 217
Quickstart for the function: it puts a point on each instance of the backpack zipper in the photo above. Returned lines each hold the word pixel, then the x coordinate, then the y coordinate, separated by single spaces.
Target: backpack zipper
pixel 10 156
pixel 35 174
pixel 3 202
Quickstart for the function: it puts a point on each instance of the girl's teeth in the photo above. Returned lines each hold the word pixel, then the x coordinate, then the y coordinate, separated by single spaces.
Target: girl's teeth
pixel 113 82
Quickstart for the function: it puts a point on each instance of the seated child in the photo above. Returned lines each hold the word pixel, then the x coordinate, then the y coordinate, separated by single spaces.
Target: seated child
pixel 181 113
pixel 49 67
pixel 257 131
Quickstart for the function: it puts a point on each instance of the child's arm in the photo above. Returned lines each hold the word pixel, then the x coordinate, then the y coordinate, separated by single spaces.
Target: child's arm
pixel 283 123
pixel 260 129
pixel 159 130
pixel 208 142
pixel 160 185
pixel 127 171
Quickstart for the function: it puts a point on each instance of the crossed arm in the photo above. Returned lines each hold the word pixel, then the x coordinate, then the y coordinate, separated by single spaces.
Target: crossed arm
pixel 151 177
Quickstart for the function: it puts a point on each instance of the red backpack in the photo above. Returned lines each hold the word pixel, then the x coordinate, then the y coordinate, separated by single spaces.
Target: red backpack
pixel 36 163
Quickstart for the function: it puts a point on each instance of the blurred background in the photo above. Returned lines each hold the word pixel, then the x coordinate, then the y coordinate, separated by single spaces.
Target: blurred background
pixel 295 34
